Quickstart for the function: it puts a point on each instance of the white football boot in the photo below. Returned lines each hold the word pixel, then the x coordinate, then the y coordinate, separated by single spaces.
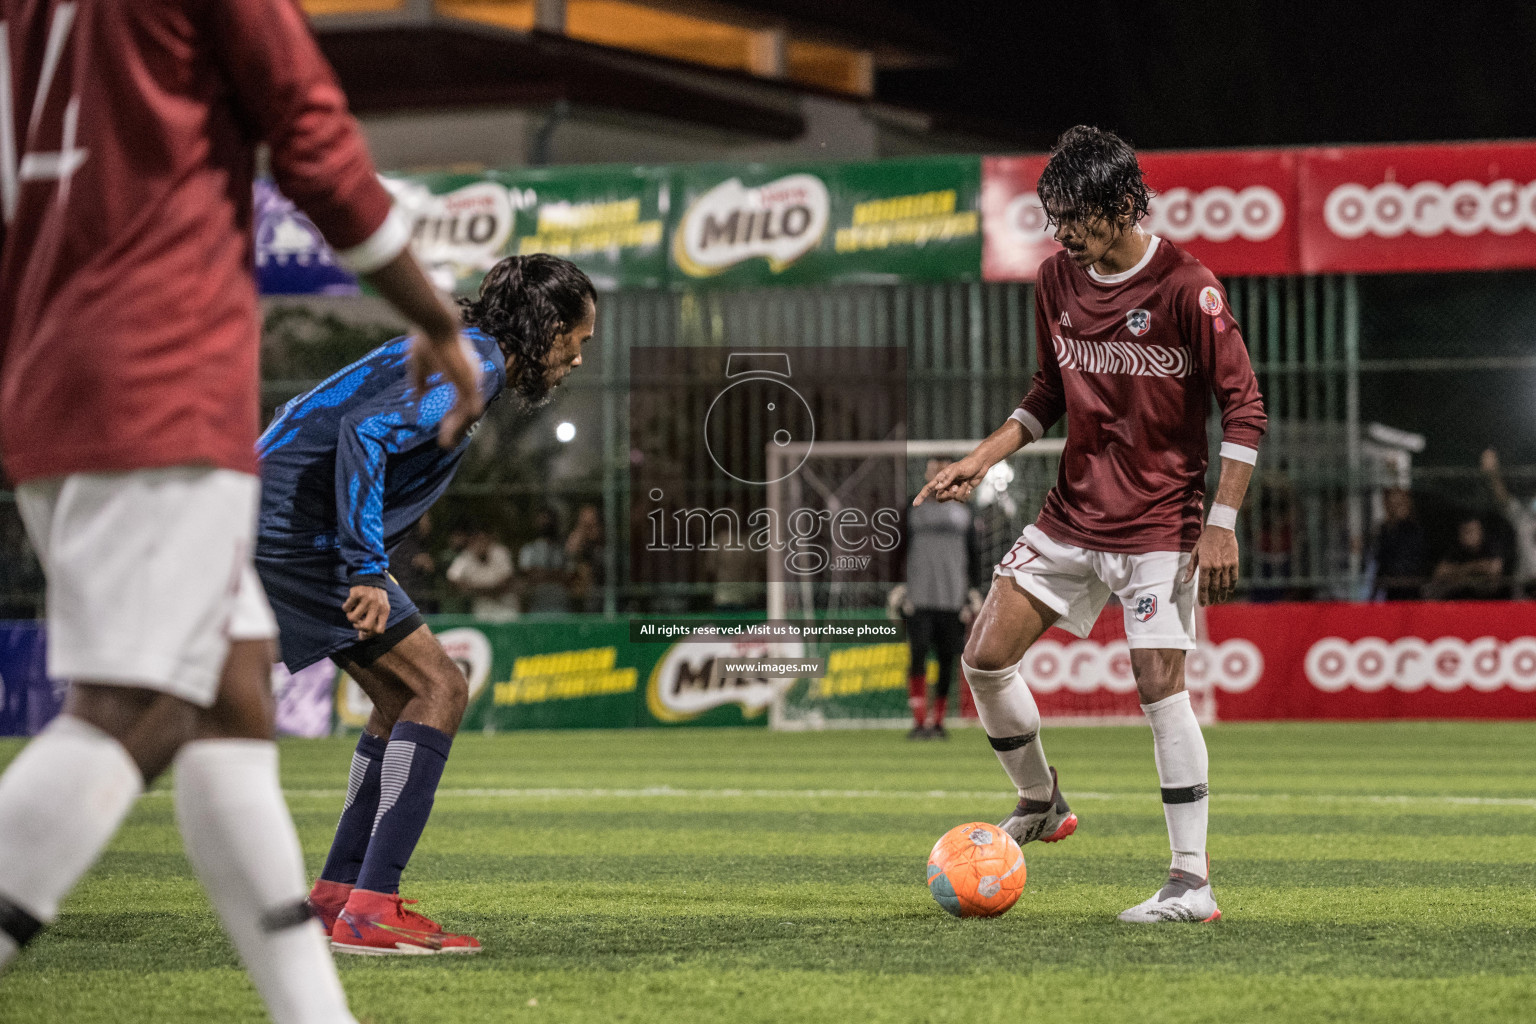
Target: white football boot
pixel 1049 821
pixel 1184 898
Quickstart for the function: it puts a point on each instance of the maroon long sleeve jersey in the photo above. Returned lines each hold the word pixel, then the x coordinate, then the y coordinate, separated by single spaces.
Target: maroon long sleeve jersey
pixel 1132 360
pixel 128 135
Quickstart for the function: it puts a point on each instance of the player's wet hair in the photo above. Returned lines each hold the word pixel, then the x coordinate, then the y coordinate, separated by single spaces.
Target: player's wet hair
pixel 525 303
pixel 1090 175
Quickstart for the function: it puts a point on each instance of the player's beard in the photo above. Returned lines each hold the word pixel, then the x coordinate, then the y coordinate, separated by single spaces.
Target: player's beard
pixel 537 389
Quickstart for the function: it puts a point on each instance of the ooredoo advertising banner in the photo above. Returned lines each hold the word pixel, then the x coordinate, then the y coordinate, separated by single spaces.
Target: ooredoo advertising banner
pixel 1395 660
pixel 1015 238
pixel 1234 211
pixel 1401 208
pixel 1257 662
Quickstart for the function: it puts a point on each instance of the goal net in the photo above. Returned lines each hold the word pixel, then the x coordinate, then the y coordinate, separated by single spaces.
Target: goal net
pixel 1074 680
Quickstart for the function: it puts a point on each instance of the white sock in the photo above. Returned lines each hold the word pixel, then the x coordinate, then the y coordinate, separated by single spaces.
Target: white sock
pixel 242 843
pixel 1183 770
pixel 1012 720
pixel 61 802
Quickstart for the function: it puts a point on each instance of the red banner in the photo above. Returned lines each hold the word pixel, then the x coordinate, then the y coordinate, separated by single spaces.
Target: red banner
pixel 1234 211
pixel 1314 661
pixel 1403 208
pixel 1396 660
pixel 1364 209
pixel 1015 239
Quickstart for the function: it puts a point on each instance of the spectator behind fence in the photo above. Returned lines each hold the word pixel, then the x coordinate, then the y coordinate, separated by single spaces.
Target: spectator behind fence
pixel 584 555
pixel 1473 569
pixel 542 563
pixel 483 570
pixel 1522 520
pixel 414 568
pixel 1399 550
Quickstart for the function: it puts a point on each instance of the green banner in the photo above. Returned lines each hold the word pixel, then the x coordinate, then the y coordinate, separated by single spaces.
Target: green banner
pixel 573 672
pixel 725 225
pixel 567 675
pixel 579 672
pixel 892 220
pixel 863 681
pixel 609 221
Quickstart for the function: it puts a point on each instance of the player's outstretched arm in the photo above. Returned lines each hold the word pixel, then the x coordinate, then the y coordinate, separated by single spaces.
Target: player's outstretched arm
pixel 436 349
pixel 1215 554
pixel 956 481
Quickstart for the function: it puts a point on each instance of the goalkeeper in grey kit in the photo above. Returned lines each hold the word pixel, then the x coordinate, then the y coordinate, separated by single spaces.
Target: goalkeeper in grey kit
pixel 938 602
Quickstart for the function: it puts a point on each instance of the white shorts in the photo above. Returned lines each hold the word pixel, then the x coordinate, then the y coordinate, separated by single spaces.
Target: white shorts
pixel 1075 583
pixel 149 575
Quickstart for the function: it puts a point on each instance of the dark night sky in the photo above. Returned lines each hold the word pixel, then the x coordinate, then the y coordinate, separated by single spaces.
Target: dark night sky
pixel 1244 73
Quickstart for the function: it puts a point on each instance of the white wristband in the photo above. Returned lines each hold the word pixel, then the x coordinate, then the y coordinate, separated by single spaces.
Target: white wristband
pixel 1224 516
pixel 388 240
pixel 1031 425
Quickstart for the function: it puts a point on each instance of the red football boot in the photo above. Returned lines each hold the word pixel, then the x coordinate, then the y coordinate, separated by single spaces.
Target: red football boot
pixel 326 900
pixel 378 924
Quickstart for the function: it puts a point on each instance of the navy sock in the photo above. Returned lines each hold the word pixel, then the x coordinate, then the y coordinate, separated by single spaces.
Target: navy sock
pixel 413 764
pixel 357 814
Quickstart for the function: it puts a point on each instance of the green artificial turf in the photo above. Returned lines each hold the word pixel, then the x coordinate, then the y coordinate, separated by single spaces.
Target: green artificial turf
pixel 1379 872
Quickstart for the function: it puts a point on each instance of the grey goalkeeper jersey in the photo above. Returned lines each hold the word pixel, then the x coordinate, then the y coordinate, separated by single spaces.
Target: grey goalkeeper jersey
pixel 940 552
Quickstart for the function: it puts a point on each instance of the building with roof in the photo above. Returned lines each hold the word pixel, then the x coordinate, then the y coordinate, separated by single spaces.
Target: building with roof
pixel 441 83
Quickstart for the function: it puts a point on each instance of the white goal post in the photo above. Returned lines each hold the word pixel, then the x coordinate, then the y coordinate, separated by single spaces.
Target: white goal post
pixel 1075 681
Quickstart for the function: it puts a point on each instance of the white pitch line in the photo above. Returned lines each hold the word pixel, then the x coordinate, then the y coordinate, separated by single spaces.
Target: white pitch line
pixel 893 794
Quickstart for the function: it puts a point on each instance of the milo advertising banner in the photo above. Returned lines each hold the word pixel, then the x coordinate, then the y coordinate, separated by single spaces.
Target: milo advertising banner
pixel 578 673
pixel 636 227
pixel 892 220
pixel 461 224
pixel 610 221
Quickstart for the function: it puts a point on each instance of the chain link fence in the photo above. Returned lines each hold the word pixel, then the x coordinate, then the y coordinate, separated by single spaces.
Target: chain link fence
pixel 1448 359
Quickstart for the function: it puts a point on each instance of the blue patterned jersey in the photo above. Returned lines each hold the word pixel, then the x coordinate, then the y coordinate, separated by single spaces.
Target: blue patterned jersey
pixel 349 467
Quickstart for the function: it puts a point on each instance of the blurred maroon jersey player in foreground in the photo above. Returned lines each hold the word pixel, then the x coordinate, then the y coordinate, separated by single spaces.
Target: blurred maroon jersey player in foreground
pixel 1134 339
pixel 128 418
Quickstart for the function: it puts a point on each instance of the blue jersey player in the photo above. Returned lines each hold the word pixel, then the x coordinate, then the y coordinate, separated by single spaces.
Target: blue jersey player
pixel 347 470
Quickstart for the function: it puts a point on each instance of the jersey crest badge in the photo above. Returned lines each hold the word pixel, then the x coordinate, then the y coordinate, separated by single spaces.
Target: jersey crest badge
pixel 1066 321
pixel 1139 321
pixel 1146 607
pixel 1210 300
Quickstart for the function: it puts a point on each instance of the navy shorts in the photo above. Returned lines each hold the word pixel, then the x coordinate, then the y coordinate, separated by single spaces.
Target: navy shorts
pixel 307 592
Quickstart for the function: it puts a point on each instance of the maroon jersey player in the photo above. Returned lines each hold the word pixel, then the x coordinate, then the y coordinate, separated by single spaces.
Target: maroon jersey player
pixel 1135 340
pixel 128 417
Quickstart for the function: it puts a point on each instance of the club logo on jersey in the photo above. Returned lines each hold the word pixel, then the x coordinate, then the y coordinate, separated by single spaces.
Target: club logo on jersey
pixel 1146 607
pixel 1066 321
pixel 1139 321
pixel 1210 300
